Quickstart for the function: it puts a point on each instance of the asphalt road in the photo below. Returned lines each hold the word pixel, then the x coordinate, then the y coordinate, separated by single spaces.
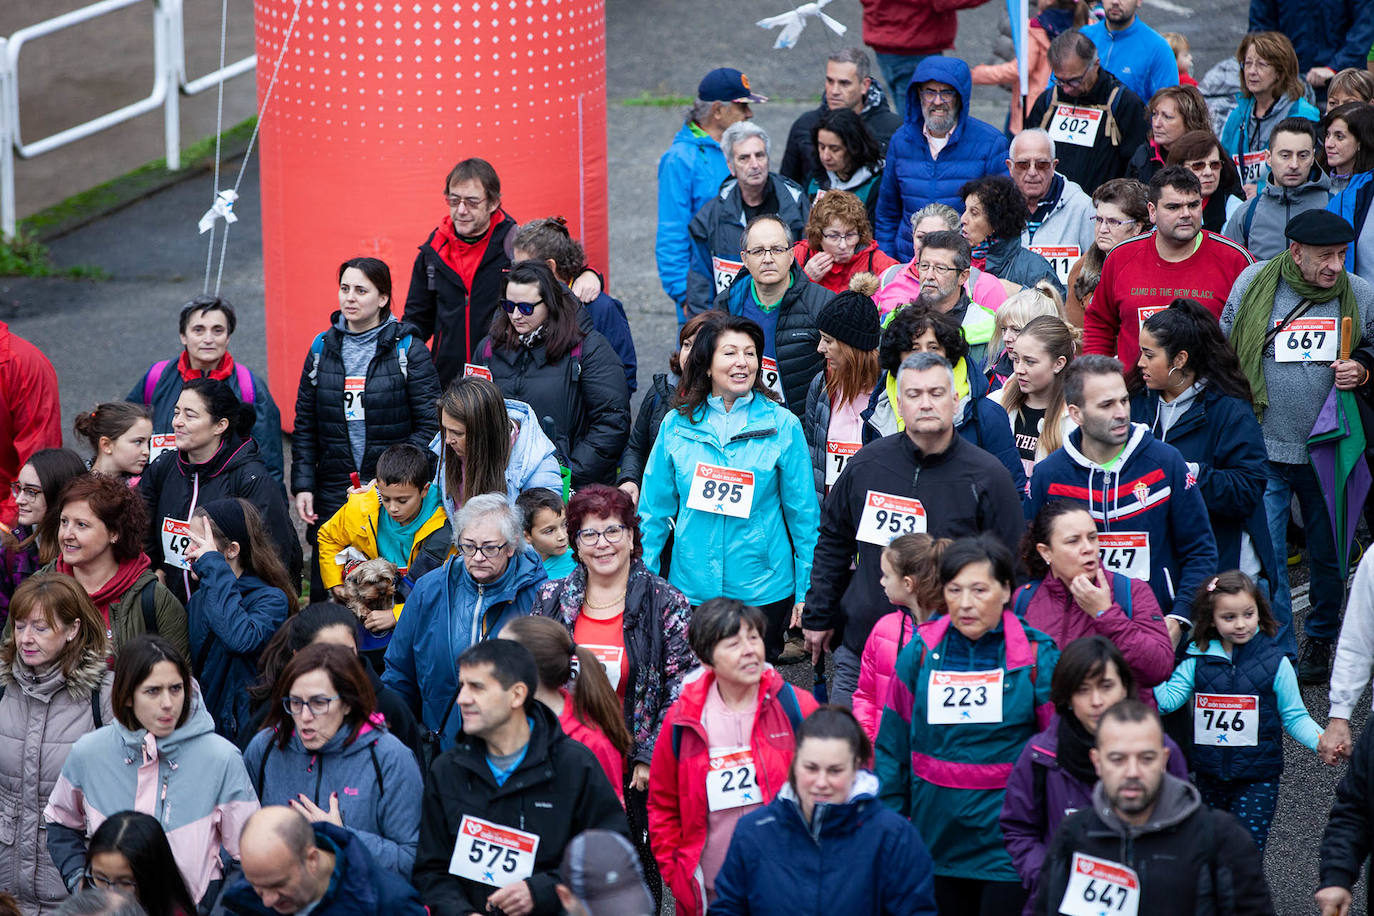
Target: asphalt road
pixel 102 336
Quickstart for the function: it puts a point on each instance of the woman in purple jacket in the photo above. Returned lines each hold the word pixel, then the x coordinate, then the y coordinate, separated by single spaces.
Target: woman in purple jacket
pixel 1054 777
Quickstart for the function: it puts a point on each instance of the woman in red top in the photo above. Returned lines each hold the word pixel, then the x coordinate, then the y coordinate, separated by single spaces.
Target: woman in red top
pixel 589 712
pixel 839 242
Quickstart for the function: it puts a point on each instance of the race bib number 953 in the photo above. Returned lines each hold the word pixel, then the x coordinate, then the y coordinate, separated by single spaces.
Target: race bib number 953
pixel 886 516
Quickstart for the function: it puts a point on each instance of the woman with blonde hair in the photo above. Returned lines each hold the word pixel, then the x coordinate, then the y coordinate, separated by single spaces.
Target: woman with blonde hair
pixel 1016 312
pixel 839 242
pixel 1034 397
pixel 1270 90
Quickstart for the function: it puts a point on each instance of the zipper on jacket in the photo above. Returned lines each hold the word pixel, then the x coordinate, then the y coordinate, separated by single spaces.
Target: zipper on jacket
pixel 477 617
pixel 317 764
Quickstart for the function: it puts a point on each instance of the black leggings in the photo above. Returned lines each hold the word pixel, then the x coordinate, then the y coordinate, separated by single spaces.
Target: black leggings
pixel 972 897
pixel 779 615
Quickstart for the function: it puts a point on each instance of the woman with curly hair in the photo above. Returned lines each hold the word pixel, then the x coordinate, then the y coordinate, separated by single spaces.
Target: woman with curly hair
pixel 994 218
pixel 839 243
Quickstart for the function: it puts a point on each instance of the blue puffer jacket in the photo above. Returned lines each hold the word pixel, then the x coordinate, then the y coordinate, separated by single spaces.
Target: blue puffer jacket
pixel 229 620
pixel 779 865
pixel 689 173
pixel 912 179
pixel 375 778
pixel 1352 205
pixel 446 612
pixel 1325 33
pixel 760 559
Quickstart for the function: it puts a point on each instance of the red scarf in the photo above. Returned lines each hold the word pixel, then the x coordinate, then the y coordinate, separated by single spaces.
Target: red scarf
pixel 220 372
pixel 463 257
pixel 120 583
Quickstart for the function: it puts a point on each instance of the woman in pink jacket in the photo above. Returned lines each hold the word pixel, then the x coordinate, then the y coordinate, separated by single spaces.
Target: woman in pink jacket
pixel 911 581
pixel 1071 595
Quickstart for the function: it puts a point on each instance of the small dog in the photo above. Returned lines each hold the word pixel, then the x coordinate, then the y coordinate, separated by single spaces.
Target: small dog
pixel 370 586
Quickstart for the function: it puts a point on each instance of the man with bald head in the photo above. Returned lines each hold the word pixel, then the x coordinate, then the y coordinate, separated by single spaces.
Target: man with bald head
pixel 1059 221
pixel 293 866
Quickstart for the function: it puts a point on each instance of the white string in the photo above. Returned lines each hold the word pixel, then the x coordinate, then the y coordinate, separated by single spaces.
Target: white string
pixel 219 133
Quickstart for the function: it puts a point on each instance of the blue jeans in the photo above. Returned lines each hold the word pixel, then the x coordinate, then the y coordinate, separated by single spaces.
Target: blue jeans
pixel 844 676
pixel 897 70
pixel 1326 591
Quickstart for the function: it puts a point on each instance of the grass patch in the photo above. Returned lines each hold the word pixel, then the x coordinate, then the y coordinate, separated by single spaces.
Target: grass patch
pixel 25 256
pixel 647 99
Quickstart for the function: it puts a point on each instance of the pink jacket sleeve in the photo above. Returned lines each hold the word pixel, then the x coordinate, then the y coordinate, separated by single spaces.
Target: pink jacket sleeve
pixel 876 668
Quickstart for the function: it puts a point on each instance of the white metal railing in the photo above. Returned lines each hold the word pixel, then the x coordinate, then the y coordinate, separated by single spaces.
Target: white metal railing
pixel 169 84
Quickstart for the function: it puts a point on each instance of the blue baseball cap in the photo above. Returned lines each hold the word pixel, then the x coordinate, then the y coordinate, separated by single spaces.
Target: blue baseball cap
pixel 726 84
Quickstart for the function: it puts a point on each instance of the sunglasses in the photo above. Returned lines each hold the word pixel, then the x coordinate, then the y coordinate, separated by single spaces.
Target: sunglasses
pixel 526 308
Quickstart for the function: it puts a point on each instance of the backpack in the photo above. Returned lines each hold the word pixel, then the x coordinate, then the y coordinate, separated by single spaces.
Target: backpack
pixel 1121 594
pixel 317 348
pixel 241 374
pixel 786 696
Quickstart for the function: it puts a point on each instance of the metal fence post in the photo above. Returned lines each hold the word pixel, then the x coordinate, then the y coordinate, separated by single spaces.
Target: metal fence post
pixel 9 106
pixel 169 50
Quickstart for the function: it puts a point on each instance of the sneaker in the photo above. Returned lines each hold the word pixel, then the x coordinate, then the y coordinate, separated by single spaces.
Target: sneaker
pixel 1314 661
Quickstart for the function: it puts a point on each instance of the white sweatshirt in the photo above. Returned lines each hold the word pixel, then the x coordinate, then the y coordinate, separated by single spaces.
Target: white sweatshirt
pixel 1355 651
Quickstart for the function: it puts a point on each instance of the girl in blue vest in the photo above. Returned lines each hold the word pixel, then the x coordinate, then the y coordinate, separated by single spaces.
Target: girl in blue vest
pixel 1244 691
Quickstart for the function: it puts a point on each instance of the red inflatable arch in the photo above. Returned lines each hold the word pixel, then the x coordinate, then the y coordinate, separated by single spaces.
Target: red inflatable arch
pixel 376 100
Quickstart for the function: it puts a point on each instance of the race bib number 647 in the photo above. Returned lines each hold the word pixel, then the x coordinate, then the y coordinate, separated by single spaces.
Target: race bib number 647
pixel 1099 887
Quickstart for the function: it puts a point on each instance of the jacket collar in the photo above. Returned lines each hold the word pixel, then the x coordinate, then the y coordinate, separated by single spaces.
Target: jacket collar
pixel 1176 802
pixel 1140 435
pixel 698 683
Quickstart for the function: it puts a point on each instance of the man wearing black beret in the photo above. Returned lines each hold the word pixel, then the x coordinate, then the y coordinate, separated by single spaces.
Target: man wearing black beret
pixel 1283 318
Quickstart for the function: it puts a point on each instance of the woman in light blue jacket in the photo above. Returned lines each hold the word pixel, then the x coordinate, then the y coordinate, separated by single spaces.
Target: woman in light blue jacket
pixel 730 473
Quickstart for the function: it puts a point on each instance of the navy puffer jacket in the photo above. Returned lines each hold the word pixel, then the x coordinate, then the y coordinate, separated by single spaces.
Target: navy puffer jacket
pixel 399 407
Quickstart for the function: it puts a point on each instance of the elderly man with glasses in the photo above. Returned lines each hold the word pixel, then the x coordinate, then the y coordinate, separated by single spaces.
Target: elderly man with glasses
pixel 493 578
pixel 1059 226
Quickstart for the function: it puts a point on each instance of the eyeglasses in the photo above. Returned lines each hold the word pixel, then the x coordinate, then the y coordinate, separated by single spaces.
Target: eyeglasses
pixel 1200 166
pixel 930 95
pixel 850 236
pixel 121 885
pixel 588 537
pixel 1107 222
pixel 18 490
pixel 941 270
pixel 1257 64
pixel 486 550
pixel 318 705
pixel 526 308
pixel 1025 165
pixel 1078 80
pixel 472 203
pixel 776 251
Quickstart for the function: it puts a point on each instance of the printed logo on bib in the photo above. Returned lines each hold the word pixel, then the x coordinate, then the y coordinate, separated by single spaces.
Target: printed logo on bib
pixel 885 516
pixel 1061 257
pixel 964 697
pixel 1100 887
pixel 612 658
pixel 837 454
pixel 480 371
pixel 772 378
pixel 159 443
pixel 353 398
pixel 1225 720
pixel 492 854
pixel 723 491
pixel 176 540
pixel 731 781
pixel 1147 311
pixel 1251 166
pixel 725 271
pixel 1075 125
pixel 1125 553
pixel 1306 340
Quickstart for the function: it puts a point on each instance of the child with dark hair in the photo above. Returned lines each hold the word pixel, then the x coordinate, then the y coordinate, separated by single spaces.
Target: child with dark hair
pixel 546 528
pixel 129 854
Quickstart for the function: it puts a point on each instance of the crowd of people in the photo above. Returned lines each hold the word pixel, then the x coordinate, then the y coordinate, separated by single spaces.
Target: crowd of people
pixel 1005 437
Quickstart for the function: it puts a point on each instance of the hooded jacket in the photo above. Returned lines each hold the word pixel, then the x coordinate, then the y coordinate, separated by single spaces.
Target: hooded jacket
pixel 779 865
pixel 657 653
pixel 1191 859
pixel 759 559
pixel 1243 133
pixel 30 413
pixel 912 179
pixel 1122 131
pixel 799 160
pixel 533 459
pixel 446 612
pixel 678 806
pixel 42 714
pixel 690 172
pixel 399 407
pixel 173 488
pixel 557 791
pixel 355 525
pixel 964 490
pixel 1150 491
pixel 192 781
pixel 442 310
pixel 358 886
pixel 795 335
pixel 1259 223
pixel 375 778
pixel 229 620
pixel 717 233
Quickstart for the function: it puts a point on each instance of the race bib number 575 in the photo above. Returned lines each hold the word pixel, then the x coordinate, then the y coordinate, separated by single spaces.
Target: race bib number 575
pixel 492 854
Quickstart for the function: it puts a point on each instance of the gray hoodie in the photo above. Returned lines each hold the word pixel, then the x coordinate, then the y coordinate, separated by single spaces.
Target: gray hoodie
pixel 1258 224
pixel 1176 802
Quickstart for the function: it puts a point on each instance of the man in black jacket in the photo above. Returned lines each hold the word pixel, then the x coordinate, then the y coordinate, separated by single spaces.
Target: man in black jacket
pixel 927 478
pixel 1349 835
pixel 847 85
pixel 503 802
pixel 1149 844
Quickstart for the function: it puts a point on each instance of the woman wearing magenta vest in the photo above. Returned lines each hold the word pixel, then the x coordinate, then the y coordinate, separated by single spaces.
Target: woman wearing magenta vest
pixel 965 698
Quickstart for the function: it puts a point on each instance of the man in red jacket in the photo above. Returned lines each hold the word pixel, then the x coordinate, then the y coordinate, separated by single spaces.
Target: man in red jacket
pixel 30 412
pixel 905 32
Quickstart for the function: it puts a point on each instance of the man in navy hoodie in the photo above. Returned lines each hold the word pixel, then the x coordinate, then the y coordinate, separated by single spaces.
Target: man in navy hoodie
pixel 1150 515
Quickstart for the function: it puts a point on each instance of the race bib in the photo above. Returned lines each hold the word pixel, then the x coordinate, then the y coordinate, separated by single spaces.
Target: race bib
pixel 480 371
pixel 176 540
pixel 885 516
pixel 772 378
pixel 1147 311
pixel 1251 166
pixel 353 398
pixel 723 491
pixel 1306 340
pixel 1061 257
pixel 612 658
pixel 1075 125
pixel 724 270
pixel 491 854
pixel 159 443
pixel 1100 887
pixel 964 697
pixel 730 780
pixel 1126 553
pixel 1225 720
pixel 836 454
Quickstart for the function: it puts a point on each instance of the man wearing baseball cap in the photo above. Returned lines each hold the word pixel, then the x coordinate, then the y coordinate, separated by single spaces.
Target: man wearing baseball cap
pixel 601 877
pixel 691 171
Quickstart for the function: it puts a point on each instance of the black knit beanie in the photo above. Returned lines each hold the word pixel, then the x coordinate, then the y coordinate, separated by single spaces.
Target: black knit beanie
pixel 852 318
